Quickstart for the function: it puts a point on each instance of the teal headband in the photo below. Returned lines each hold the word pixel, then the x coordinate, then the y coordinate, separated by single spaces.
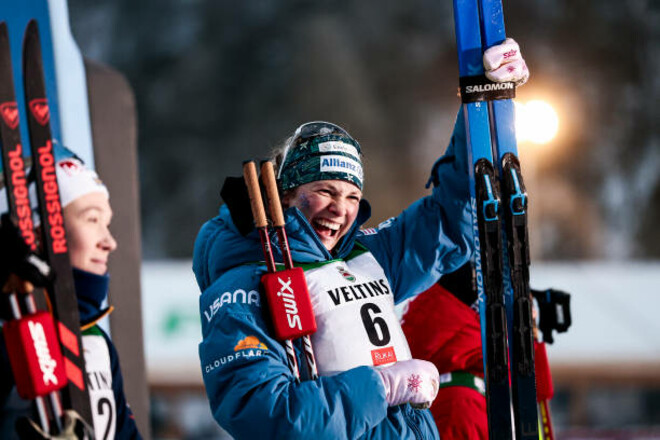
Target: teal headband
pixel 321 151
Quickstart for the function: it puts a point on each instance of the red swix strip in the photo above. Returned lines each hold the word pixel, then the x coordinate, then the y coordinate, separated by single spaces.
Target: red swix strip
pixel 74 374
pixel 68 339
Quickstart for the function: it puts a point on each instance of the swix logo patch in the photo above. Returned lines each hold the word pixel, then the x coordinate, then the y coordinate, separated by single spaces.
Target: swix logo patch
pixel 40 110
pixel 346 274
pixel 509 54
pixel 9 112
pixel 382 356
pixel 47 364
pixel 248 347
pixel 290 304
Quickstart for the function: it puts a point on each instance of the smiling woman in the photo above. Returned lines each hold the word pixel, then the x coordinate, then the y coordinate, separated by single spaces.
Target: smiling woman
pixel 330 206
pixel 369 383
pixel 320 173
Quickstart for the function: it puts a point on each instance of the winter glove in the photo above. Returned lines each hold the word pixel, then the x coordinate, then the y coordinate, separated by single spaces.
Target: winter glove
pixel 17 258
pixel 413 381
pixel 504 63
pixel 554 311
pixel 73 428
pixel 235 195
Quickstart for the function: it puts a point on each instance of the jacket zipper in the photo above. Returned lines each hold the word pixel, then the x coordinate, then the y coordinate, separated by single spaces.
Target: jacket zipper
pixel 407 415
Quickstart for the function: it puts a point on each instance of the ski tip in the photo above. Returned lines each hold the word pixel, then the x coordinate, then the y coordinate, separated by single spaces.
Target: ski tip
pixel 31 37
pixel 32 26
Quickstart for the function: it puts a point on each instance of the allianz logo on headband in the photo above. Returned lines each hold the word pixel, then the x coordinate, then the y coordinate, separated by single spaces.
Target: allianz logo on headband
pixel 340 164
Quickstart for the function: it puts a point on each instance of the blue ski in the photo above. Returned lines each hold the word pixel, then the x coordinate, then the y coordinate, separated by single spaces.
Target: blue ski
pixel 486 221
pixel 516 266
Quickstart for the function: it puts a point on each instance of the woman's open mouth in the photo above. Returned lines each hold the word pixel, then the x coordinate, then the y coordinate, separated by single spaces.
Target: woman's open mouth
pixel 326 228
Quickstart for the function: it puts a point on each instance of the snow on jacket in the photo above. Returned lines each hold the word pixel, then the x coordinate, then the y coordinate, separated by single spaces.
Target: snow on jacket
pixel 251 391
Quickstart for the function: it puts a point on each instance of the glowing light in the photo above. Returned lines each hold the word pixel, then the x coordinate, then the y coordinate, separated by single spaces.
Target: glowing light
pixel 536 122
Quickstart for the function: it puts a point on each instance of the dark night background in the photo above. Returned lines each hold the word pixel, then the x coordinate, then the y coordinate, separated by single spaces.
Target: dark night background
pixel 218 82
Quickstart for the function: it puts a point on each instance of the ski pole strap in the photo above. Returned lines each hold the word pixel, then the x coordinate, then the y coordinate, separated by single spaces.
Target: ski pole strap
pixel 463 379
pixel 479 88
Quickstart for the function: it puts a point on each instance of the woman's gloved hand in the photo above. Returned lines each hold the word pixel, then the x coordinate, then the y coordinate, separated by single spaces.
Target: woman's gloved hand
pixel 413 381
pixel 504 63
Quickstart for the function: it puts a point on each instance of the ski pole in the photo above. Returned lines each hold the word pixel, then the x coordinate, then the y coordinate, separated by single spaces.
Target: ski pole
pixel 16 314
pixel 554 314
pixel 277 217
pixel 261 223
pixel 38 338
pixel 544 388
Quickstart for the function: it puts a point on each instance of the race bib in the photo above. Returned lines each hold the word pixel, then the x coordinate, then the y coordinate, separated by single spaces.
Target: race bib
pixel 355 316
pixel 99 383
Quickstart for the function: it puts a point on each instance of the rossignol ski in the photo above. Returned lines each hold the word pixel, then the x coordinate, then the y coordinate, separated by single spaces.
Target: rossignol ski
pixel 499 226
pixel 53 243
pixel 21 301
pixel 53 235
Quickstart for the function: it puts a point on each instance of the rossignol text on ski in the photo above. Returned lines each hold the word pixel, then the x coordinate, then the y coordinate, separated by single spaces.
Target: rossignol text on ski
pixel 52 240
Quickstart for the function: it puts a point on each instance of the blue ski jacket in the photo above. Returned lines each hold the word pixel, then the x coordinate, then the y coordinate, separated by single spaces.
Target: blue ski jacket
pixel 251 391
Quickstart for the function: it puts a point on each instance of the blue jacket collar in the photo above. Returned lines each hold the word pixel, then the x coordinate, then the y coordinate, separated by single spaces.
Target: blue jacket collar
pixel 220 246
pixel 91 290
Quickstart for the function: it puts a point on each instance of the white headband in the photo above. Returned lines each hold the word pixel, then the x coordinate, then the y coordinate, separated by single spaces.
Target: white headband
pixel 76 180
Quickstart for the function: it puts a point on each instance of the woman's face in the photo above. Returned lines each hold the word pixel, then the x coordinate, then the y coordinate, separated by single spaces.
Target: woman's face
pixel 330 206
pixel 90 242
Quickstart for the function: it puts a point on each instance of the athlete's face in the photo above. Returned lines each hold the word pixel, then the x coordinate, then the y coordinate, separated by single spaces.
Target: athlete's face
pixel 330 206
pixel 90 242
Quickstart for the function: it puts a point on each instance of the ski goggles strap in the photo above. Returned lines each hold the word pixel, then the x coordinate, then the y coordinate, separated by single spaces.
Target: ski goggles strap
pixel 463 379
pixel 329 157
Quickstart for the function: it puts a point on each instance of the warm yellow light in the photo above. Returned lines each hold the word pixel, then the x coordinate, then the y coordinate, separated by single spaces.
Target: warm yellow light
pixel 536 121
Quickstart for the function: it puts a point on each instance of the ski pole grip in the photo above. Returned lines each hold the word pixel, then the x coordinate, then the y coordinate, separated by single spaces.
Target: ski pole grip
pixel 16 284
pixel 268 176
pixel 254 192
